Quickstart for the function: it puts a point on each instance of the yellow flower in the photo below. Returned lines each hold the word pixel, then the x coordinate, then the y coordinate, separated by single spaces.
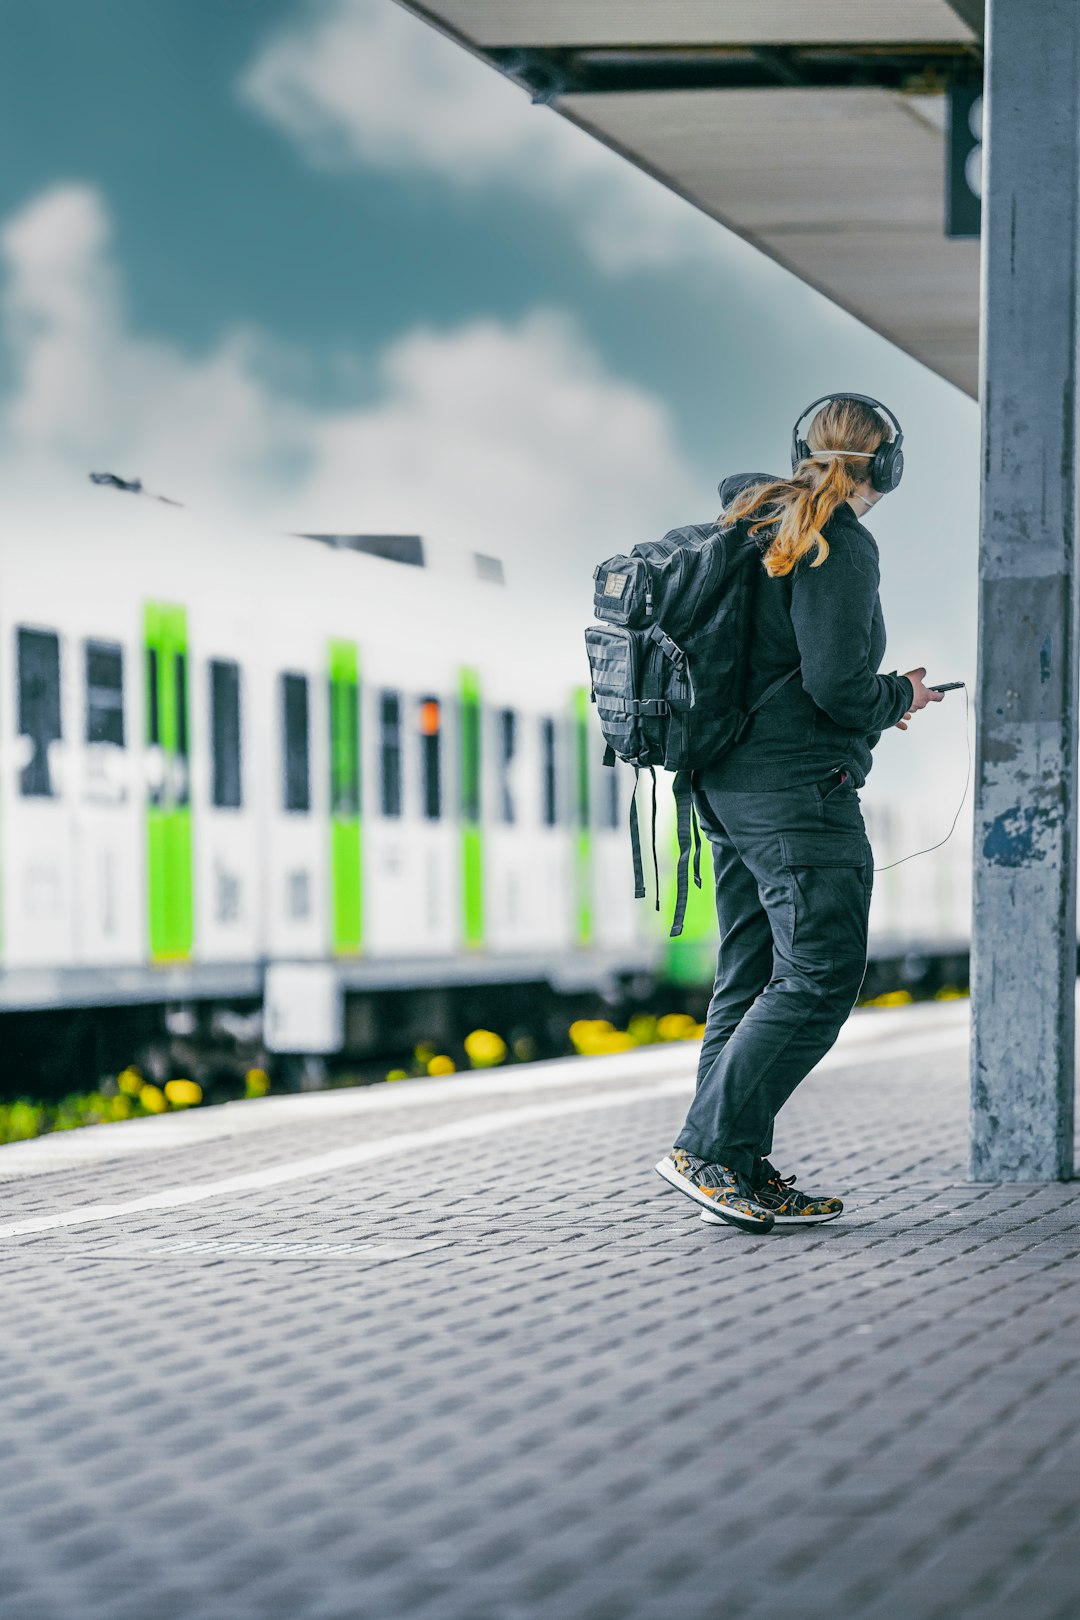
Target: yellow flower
pixel 121 1107
pixel 398 1074
pixel 153 1099
pixel 586 1032
pixel 423 1052
pixel 676 1027
pixel 441 1065
pixel 643 1028
pixel 484 1048
pixel 256 1083
pixel 950 992
pixel 130 1081
pixel 183 1093
pixel 595 1037
pixel 890 998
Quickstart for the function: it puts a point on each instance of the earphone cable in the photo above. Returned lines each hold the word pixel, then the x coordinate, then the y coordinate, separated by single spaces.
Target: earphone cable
pixel 960 806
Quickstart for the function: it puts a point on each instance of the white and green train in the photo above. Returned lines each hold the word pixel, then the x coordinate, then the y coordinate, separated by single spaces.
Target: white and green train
pixel 225 747
pixel 222 749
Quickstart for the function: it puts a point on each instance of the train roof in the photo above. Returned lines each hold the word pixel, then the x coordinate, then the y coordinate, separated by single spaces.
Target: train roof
pixel 78 536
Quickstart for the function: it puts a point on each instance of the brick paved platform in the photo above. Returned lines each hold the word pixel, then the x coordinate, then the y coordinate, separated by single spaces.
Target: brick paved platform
pixel 450 1350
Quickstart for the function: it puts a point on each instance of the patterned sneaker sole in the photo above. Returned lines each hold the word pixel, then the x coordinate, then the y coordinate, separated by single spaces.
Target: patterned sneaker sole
pixel 711 1210
pixel 779 1220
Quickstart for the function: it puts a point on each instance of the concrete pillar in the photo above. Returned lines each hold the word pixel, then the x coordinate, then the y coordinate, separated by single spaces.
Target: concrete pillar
pixel 1024 923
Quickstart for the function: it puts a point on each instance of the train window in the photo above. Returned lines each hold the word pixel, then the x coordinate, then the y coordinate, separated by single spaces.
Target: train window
pixel 507 752
pixel 611 797
pixel 105 693
pixel 225 740
pixel 548 773
pixel 390 752
pixel 182 793
pixel 39 707
pixel 430 727
pixel 153 689
pixel 581 749
pixel 296 735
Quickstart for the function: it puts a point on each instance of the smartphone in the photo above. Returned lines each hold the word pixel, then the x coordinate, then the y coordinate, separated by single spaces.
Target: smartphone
pixel 945 686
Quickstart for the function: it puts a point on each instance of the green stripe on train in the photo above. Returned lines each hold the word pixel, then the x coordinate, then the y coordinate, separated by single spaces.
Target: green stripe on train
pixel 168 817
pixel 346 870
pixel 472 848
pixel 583 865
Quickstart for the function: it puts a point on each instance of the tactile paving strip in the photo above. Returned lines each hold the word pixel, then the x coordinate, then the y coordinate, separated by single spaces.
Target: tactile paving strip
pixel 522 1381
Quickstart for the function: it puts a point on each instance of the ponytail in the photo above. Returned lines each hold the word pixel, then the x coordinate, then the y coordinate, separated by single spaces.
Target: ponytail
pixel 796 509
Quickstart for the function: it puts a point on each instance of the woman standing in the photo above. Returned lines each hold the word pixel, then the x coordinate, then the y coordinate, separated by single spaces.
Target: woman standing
pixel 793 866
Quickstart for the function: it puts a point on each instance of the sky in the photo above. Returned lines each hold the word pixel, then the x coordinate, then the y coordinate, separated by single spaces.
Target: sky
pixel 309 257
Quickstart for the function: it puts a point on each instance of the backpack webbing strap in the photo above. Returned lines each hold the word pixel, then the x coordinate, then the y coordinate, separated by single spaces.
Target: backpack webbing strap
pixel 609 756
pixel 655 862
pixel 618 705
pixel 772 688
pixel 695 827
pixel 635 842
pixel 684 816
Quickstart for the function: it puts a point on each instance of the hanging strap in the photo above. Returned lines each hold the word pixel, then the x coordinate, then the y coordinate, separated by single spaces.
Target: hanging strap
pixel 684 819
pixel 772 689
pixel 655 862
pixel 635 842
pixel 609 756
pixel 695 827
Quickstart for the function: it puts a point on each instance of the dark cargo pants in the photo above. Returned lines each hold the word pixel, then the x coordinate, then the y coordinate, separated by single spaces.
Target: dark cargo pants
pixel 794 873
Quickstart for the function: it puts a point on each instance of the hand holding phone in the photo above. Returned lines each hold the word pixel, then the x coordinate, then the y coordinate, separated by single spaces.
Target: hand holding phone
pixel 921 695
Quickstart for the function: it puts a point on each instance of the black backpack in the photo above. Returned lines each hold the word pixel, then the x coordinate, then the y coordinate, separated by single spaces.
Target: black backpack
pixel 668 665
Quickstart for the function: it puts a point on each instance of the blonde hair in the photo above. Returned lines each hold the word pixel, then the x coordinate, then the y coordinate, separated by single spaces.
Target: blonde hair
pixel 802 504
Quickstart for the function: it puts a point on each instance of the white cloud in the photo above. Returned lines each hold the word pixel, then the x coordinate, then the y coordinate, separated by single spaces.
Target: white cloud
pixel 362 83
pixel 88 390
pixel 512 439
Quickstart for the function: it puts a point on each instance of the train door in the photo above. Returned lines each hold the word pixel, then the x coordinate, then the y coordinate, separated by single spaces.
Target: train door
pixel 552 900
pixel 223 786
pixel 109 887
pixel 168 830
pixel 436 845
pixel 518 878
pixel 295 775
pixel 408 866
pixel 38 891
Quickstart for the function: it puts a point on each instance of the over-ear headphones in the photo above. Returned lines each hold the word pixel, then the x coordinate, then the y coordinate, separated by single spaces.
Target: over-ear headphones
pixel 887 466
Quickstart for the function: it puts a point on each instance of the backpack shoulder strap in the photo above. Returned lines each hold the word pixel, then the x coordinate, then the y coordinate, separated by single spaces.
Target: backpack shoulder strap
pixel 772 688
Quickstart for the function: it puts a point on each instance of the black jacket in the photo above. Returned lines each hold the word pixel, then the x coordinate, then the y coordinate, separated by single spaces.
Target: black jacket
pixel 828 621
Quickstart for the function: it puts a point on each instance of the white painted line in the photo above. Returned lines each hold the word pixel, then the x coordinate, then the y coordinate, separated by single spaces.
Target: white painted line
pixel 320 1164
pixel 869 1034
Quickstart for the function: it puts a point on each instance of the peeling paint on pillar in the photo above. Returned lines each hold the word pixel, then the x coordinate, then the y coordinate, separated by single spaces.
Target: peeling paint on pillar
pixel 1014 836
pixel 1024 940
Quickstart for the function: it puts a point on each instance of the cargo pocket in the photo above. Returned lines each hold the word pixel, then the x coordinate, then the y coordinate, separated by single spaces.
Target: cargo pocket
pixel 831 876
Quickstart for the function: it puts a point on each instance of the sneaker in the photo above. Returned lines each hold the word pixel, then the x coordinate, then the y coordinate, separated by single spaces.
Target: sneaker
pixel 790 1208
pixel 725 1195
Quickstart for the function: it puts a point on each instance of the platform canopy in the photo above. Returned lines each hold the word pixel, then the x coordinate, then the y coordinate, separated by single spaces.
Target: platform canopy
pixel 815 131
